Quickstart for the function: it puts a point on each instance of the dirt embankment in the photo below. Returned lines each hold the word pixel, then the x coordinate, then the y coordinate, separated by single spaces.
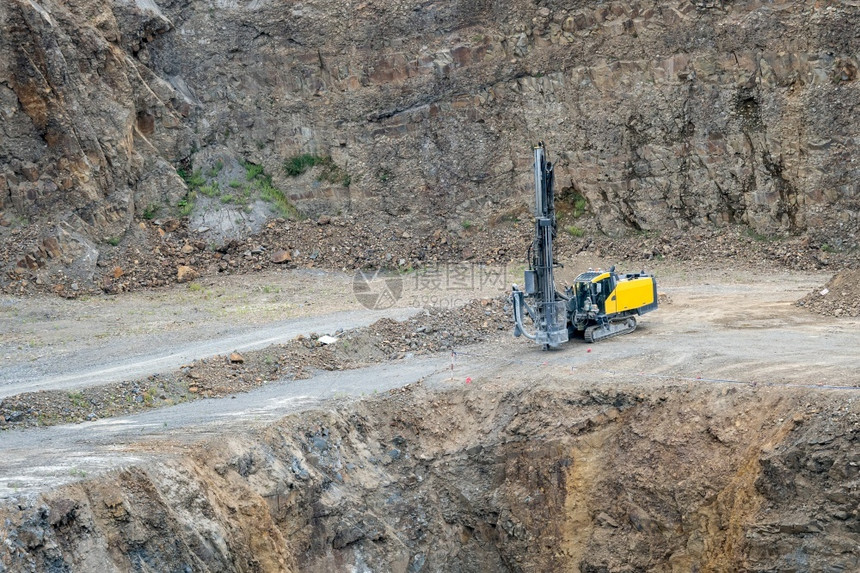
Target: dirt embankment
pixel 499 476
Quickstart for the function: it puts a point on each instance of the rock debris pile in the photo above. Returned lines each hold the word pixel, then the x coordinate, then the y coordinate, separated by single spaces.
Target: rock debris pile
pixel 431 330
pixel 168 252
pixel 839 297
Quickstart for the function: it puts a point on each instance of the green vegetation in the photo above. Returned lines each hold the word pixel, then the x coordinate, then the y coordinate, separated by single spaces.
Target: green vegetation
pixel 113 241
pixel 262 183
pixel 211 190
pixel 827 248
pixel 149 395
pixel 574 231
pixel 252 171
pixel 193 180
pixel 186 204
pixel 298 164
pixel 580 205
pixel 151 211
pixel 257 184
pixel 330 172
pixel 216 169
pixel 277 198
pixel 466 224
pixel 77 399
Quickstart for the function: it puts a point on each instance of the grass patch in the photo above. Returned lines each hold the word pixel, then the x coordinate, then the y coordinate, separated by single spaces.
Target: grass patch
pixel 466 224
pixel 211 190
pixel 261 182
pixel 257 182
pixel 77 399
pixel 113 241
pixel 192 179
pixel 278 200
pixel 252 170
pixel 580 205
pixel 574 231
pixel 572 204
pixel 186 204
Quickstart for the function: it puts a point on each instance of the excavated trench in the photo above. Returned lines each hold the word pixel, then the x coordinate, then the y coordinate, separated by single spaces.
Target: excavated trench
pixel 489 478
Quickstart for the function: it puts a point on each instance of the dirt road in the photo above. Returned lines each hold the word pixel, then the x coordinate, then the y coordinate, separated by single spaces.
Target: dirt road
pixel 727 328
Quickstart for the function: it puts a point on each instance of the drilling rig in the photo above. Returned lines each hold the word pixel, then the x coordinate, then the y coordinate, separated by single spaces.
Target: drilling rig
pixel 599 305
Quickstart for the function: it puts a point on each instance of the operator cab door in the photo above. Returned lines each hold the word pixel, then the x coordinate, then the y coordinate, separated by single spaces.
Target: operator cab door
pixel 609 294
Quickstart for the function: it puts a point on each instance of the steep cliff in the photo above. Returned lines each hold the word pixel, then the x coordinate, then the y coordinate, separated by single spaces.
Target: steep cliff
pixel 696 478
pixel 662 115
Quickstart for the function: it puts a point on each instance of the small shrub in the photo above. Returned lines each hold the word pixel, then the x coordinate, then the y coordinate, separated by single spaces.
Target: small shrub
pixel 193 180
pixel 113 241
pixel 756 236
pixel 151 211
pixel 186 205
pixel 574 231
pixel 466 224
pixel 295 166
pixel 252 171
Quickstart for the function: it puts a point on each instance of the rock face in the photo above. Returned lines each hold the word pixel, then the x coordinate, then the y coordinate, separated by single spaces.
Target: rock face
pixel 661 115
pixel 707 478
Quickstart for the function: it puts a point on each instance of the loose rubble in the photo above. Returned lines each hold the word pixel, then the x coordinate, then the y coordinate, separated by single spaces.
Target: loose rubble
pixel 433 330
pixel 840 297
pixel 168 252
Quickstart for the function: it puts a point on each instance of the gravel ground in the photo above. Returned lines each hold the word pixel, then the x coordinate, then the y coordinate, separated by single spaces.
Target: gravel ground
pixel 431 331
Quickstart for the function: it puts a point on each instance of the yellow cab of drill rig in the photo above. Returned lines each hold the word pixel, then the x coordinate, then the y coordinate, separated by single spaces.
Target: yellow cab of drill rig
pixel 602 304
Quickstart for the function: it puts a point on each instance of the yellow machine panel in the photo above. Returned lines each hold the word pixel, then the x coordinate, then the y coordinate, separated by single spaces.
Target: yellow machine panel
pixel 630 294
